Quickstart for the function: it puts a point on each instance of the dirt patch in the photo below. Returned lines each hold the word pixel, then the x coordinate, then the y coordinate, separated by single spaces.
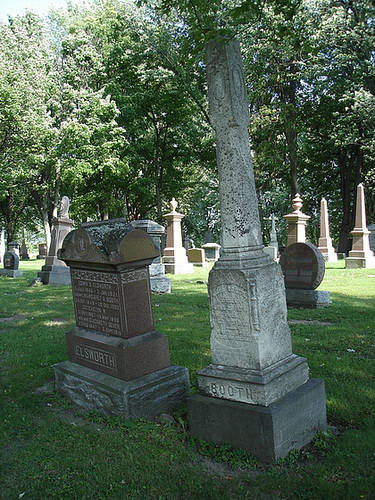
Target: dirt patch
pixel 308 322
pixel 17 317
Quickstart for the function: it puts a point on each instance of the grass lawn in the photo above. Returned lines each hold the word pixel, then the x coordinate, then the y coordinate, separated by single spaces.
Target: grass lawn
pixel 50 451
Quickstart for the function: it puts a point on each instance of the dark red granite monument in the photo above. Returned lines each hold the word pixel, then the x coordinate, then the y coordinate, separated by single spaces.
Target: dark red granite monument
pixel 117 362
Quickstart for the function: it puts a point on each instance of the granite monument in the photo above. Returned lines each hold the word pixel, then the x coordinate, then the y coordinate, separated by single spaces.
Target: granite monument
pixel 117 362
pixel 256 394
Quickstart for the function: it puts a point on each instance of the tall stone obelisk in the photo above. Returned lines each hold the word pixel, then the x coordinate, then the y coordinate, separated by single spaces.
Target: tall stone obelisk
pixel 256 394
pixel 360 255
pixel 325 241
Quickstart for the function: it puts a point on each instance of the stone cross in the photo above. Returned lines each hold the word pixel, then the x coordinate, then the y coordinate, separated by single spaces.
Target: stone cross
pixel 360 254
pixel 254 377
pixel 325 241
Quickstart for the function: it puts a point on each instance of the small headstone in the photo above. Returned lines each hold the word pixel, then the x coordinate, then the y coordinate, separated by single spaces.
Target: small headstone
pixel 212 251
pixel 11 263
pixel 117 362
pixel 197 257
pixel 303 268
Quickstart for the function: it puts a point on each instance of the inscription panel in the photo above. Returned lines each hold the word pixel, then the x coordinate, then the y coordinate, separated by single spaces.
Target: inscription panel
pixel 95 356
pixel 97 301
pixel 303 266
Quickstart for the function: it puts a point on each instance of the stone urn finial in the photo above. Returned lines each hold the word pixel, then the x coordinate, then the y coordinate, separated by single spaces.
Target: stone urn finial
pixel 297 203
pixel 173 203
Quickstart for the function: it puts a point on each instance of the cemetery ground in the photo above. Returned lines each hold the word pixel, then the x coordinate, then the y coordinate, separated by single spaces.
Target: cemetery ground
pixel 50 450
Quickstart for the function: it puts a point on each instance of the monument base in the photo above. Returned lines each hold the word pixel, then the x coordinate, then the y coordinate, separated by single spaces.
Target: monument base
pixel 160 285
pixel 254 387
pixel 147 396
pixel 358 262
pixel 12 273
pixel 173 266
pixel 55 275
pixel 268 432
pixel 309 299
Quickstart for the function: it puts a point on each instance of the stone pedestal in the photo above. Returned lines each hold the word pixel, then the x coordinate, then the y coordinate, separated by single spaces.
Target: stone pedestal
pixel 212 251
pixel 159 282
pixel 55 271
pixel 296 223
pixel 360 254
pixel 174 256
pixel 116 358
pixel 256 394
pixel 325 241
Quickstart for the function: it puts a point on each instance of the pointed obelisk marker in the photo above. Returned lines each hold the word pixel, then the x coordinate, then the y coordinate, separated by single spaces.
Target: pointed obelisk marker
pixel 256 394
pixel 325 241
pixel 360 255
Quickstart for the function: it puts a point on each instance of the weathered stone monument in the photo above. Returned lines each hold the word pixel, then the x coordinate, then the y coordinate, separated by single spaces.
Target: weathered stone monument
pixel 256 394
pixel 11 263
pixel 55 271
pixel 325 241
pixel 24 252
pixel 117 362
pixel 159 282
pixel 360 254
pixel 296 222
pixel 174 256
pixel 303 268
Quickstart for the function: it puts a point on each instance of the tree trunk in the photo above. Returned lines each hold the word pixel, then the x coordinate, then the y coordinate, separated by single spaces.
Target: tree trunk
pixel 350 163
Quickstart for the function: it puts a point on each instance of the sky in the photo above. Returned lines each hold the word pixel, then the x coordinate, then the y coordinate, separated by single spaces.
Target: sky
pixel 14 7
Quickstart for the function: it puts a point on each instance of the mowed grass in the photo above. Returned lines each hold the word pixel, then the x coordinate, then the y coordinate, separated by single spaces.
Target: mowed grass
pixel 49 450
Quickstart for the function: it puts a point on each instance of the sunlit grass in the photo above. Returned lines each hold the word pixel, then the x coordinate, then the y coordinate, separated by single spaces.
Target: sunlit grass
pixel 48 450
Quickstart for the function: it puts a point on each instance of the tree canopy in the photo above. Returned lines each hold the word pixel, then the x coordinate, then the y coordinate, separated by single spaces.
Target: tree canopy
pixel 107 104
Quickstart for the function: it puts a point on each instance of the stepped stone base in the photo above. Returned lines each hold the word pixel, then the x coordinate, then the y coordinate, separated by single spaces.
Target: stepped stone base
pixel 55 275
pixel 147 396
pixel 12 273
pixel 269 432
pixel 309 299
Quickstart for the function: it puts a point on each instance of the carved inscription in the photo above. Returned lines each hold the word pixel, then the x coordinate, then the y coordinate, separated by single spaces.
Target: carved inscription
pixel 234 311
pixel 97 301
pixel 96 356
pixel 235 391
